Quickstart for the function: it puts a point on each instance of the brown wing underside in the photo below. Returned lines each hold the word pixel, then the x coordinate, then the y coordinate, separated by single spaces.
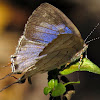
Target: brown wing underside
pixel 58 54
pixel 48 14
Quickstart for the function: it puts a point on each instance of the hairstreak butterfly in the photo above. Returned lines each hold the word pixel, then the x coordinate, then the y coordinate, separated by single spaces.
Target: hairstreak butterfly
pixel 49 40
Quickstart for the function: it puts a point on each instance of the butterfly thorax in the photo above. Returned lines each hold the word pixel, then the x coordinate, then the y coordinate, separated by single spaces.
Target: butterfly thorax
pixel 78 54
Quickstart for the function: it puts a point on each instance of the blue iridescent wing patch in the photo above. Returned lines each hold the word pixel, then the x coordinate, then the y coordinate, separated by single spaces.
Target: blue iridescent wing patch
pixel 48 33
pixel 49 40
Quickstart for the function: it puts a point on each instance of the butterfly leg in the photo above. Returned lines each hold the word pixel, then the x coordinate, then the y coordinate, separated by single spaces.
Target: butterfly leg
pixel 80 62
pixel 86 54
pixel 67 64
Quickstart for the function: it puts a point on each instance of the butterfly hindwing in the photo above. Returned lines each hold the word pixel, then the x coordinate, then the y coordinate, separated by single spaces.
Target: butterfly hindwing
pixel 26 54
pixel 59 53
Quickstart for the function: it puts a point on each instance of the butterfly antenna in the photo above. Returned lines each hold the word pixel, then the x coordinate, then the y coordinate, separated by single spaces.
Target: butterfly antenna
pixel 8 86
pixel 93 40
pixel 91 32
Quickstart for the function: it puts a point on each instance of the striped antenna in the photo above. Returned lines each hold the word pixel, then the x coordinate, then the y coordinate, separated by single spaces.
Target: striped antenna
pixel 91 33
pixel 93 40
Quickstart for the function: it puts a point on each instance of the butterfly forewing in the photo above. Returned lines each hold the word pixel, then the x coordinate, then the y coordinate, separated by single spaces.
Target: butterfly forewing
pixel 51 40
pixel 49 20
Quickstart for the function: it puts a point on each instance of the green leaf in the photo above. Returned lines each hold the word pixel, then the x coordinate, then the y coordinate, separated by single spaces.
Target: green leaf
pixel 78 82
pixel 55 83
pixel 47 90
pixel 87 65
pixel 59 90
pixel 51 83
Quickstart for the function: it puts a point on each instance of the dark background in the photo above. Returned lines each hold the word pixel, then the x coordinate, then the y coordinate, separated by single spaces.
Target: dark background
pixel 85 14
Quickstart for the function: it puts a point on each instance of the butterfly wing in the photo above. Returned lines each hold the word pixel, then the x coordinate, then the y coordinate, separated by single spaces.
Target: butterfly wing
pixel 50 39
pixel 48 21
pixel 26 55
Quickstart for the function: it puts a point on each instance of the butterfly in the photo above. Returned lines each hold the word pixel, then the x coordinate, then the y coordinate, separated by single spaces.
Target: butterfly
pixel 49 41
